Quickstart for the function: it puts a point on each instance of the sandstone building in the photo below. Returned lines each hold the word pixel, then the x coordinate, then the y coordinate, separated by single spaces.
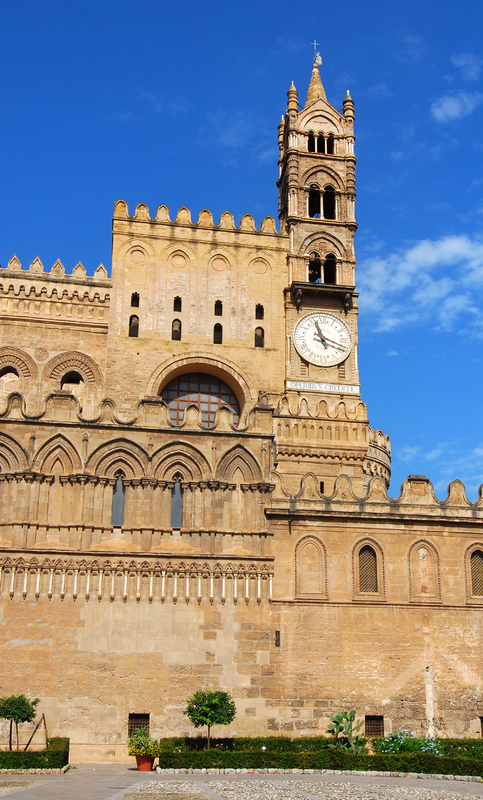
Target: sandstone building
pixel 191 495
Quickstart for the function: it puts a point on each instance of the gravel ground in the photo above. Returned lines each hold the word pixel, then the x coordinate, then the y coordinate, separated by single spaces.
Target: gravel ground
pixel 285 790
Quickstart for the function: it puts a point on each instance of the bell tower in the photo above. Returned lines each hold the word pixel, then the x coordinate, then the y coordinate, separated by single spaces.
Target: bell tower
pixel 317 212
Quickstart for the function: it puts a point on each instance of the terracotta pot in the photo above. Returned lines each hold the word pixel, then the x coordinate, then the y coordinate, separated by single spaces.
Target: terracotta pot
pixel 145 763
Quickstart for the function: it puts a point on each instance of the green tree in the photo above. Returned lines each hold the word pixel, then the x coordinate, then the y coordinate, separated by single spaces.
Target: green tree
pixel 17 708
pixel 210 708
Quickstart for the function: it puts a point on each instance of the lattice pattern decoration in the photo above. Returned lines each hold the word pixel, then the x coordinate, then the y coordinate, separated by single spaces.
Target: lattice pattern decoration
pixel 477 573
pixel 367 570
pixel 205 391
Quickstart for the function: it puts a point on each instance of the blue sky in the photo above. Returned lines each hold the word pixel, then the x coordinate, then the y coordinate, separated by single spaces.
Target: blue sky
pixel 156 103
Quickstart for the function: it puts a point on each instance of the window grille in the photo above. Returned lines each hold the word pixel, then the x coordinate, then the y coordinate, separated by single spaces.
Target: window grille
pixel 205 391
pixel 137 721
pixel 477 573
pixel 374 725
pixel 367 570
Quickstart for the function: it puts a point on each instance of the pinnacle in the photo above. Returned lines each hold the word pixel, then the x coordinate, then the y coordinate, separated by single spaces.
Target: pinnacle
pixel 316 89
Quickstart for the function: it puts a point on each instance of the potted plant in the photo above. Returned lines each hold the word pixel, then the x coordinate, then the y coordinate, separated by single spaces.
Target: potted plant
pixel 144 748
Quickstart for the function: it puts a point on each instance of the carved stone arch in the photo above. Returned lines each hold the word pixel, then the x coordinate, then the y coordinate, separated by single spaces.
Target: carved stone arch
pixel 320 115
pixel 228 371
pixel 238 459
pixel 182 458
pixel 58 448
pixel 310 568
pixel 135 244
pixel 323 176
pixel 424 572
pixel 18 360
pixel 324 243
pixel 73 361
pixel 473 561
pixel 120 455
pixel 358 586
pixel 171 252
pixel 13 458
pixel 219 258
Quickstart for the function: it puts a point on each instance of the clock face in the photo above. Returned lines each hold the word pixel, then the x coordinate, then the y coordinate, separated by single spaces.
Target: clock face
pixel 322 339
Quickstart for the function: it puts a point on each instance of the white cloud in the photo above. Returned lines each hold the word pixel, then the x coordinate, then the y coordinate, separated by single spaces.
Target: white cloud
pixel 455 106
pixel 431 281
pixel 392 353
pixel 469 64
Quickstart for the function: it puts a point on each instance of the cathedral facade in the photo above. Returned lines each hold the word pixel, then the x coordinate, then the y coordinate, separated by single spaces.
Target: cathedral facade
pixel 191 494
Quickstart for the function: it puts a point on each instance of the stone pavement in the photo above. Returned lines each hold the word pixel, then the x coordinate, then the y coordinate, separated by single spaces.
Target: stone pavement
pixel 124 782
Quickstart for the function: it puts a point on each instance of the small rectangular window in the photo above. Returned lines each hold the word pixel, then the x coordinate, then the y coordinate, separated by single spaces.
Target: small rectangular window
pixel 277 638
pixel 218 308
pixel 137 721
pixel 135 300
pixel 374 725
pixel 321 487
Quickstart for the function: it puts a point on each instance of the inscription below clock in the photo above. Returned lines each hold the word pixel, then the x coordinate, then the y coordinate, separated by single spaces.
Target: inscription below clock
pixel 322 339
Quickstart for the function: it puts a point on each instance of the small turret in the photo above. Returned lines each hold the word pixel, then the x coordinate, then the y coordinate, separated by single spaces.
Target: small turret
pixel 348 105
pixel 292 105
pixel 281 128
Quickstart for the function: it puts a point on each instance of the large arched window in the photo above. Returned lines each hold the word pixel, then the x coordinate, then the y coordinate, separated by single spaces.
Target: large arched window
pixel 205 391
pixel 315 268
pixel 368 570
pixel 320 143
pixel 311 143
pixel 329 202
pixel 330 144
pixel 477 573
pixel 330 269
pixel 118 501
pixel 314 202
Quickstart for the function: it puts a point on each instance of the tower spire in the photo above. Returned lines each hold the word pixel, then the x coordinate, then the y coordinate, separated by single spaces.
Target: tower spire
pixel 316 89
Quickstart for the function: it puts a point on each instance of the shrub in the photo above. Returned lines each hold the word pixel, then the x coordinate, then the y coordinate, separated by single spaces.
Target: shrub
pixel 402 742
pixel 345 731
pixel 55 756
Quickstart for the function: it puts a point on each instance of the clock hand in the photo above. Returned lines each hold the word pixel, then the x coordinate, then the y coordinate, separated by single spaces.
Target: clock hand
pixel 331 341
pixel 320 335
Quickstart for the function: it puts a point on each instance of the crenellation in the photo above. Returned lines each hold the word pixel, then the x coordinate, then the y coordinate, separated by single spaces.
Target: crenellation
pixel 185 453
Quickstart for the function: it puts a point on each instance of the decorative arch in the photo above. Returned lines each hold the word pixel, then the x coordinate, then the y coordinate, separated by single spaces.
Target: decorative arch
pixel 424 573
pixel 179 457
pixel 474 573
pixel 331 244
pixel 13 458
pixel 310 569
pixel 238 459
pixel 367 544
pixel 120 455
pixel 73 361
pixel 322 177
pixel 228 371
pixel 57 449
pixel 20 361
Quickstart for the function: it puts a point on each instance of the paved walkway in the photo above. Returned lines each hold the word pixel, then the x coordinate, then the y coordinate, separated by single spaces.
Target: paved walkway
pixel 119 781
